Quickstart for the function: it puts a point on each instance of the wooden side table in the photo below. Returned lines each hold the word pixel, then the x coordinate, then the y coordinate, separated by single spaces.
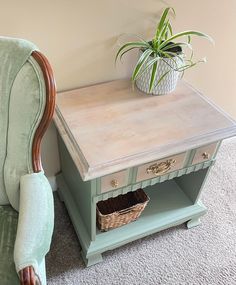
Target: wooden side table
pixel 113 140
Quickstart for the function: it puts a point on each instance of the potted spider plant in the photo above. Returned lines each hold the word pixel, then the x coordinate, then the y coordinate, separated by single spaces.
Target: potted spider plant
pixel 162 60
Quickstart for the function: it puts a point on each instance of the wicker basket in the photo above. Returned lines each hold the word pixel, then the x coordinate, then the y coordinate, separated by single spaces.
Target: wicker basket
pixel 121 210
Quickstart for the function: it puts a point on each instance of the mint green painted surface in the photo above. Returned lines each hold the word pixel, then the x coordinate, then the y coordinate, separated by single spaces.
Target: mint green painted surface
pixel 82 192
pixel 153 181
pixel 193 222
pixel 73 210
pixel 193 183
pixel 174 199
pixel 168 206
pixel 95 258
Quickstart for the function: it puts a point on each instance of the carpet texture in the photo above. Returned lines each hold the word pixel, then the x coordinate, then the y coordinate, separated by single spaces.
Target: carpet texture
pixel 202 255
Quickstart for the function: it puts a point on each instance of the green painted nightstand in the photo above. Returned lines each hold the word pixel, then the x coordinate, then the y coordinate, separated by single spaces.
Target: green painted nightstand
pixel 113 140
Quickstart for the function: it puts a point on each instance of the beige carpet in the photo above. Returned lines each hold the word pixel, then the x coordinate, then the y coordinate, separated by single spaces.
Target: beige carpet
pixel 203 255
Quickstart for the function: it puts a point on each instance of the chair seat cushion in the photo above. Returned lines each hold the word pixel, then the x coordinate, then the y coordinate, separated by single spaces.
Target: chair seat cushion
pixel 8 228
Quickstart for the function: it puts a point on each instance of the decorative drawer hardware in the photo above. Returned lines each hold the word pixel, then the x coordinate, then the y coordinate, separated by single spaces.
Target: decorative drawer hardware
pixel 204 153
pixel 114 181
pixel 173 182
pixel 160 167
pixel 154 180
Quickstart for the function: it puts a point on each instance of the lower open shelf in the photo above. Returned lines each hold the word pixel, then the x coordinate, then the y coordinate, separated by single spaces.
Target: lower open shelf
pixel 168 206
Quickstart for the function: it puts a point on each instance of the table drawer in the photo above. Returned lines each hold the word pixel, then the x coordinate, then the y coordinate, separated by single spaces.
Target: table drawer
pixel 160 167
pixel 204 153
pixel 114 181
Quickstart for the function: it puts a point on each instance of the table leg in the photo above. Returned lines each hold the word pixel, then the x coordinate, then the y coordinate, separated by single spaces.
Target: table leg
pixel 91 260
pixel 193 222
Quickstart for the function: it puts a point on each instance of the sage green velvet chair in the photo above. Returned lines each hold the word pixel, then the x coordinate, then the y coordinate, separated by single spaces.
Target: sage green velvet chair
pixel 27 99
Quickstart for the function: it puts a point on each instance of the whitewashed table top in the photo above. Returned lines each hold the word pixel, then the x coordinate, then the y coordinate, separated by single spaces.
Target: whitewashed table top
pixel 109 127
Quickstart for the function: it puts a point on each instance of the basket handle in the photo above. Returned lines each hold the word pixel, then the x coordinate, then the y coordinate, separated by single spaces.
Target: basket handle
pixel 125 211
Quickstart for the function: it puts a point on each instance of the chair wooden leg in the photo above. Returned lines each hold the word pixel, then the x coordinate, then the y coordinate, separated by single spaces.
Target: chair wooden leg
pixel 27 276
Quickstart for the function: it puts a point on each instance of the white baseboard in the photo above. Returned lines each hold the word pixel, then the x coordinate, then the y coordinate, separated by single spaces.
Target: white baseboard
pixel 53 182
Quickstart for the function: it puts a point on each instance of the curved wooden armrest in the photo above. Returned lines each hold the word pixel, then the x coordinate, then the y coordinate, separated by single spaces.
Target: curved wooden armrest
pixel 27 276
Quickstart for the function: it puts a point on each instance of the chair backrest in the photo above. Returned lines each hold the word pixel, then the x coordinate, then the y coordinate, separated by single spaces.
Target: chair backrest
pixel 23 121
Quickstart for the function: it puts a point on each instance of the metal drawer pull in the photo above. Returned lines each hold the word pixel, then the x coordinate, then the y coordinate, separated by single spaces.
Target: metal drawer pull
pixel 161 168
pixel 114 183
pixel 206 155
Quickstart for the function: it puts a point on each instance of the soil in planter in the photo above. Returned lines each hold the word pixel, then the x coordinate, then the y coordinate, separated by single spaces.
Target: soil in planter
pixel 177 50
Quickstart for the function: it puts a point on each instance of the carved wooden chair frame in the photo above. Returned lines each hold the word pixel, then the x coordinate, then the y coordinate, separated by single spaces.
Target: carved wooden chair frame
pixel 27 275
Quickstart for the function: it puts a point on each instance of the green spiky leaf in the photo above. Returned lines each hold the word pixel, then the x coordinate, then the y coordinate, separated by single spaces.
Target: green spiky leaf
pixel 153 76
pixel 133 45
pixel 142 60
pixel 185 33
pixel 162 20
pixel 163 46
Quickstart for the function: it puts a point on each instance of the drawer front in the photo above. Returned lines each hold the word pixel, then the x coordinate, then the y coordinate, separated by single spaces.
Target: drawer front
pixel 114 181
pixel 160 167
pixel 204 153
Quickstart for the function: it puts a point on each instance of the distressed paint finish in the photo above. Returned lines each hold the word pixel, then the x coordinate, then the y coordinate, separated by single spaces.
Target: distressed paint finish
pixel 169 206
pixel 142 170
pixel 173 200
pixel 102 137
pixel 207 150
pixel 114 180
pixel 132 129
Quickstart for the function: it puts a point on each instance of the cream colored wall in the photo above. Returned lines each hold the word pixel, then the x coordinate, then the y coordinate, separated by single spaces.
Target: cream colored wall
pixel 80 39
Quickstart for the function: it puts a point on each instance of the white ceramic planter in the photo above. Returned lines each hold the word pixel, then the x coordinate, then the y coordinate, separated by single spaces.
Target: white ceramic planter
pixel 169 82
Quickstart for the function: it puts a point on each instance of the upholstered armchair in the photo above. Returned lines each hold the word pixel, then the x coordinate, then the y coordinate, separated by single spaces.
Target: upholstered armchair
pixel 27 99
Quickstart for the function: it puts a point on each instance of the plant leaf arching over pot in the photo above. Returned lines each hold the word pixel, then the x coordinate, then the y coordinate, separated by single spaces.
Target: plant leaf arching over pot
pixel 163 59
